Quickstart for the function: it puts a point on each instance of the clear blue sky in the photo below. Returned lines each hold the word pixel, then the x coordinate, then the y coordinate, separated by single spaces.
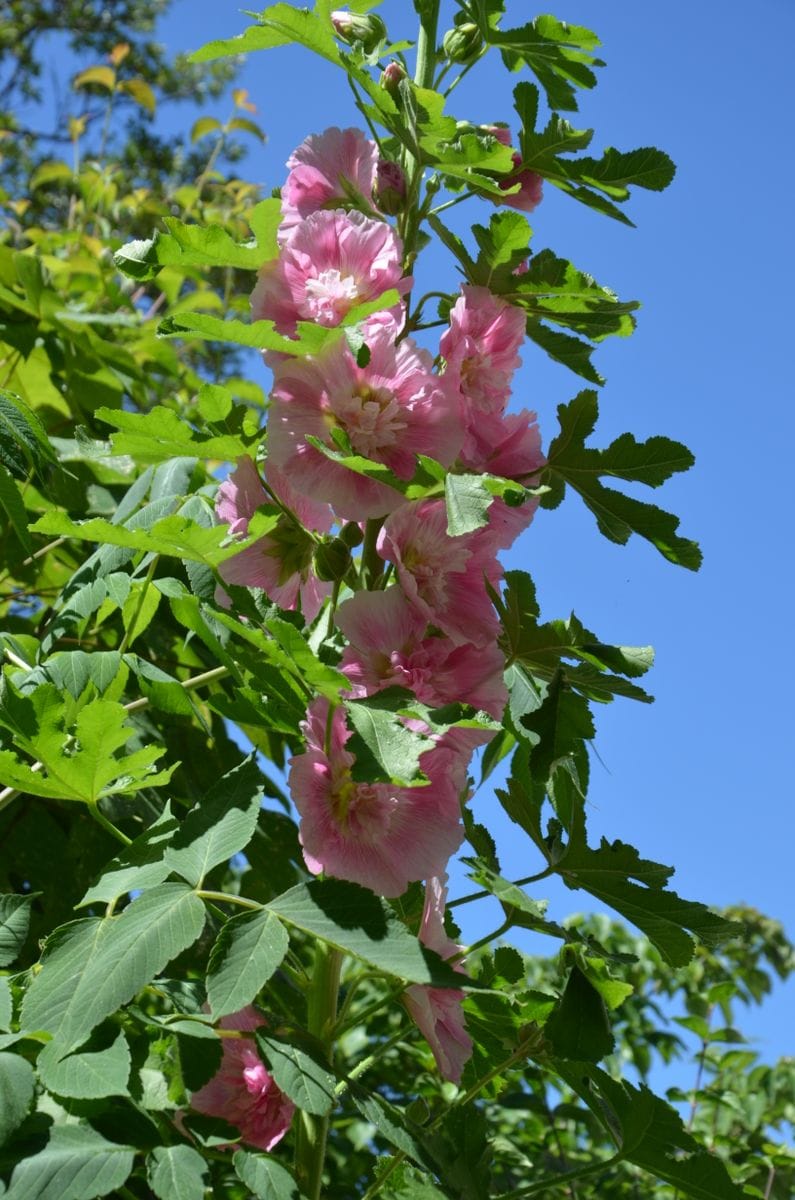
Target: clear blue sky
pixel 700 780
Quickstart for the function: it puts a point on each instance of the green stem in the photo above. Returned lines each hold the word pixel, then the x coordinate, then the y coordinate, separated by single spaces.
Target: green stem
pixel 372 563
pixel 107 825
pixel 310 1143
pixel 226 898
pixel 517 883
pixel 423 78
pixel 544 1185
pixel 129 633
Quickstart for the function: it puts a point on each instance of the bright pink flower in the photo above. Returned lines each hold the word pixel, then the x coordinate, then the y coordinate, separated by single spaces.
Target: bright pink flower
pixel 331 262
pixel 443 576
pixel 280 562
pixel 391 410
pixel 381 836
pixel 329 169
pixel 388 648
pixel 481 349
pixel 437 1011
pixel 242 1091
pixel 531 189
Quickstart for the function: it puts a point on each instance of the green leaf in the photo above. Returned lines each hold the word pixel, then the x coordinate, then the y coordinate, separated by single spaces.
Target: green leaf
pixel 203 126
pixel 17 1086
pixel 91 967
pixel 88 1074
pixel 307 1082
pixel 221 824
pixel 76 1164
pixel 79 762
pixel 6 1003
pixel 140 865
pixel 14 506
pixel 571 463
pixel 557 53
pixel 248 950
pixel 14 922
pixel 265 1177
pixel 353 919
pixel 570 351
pixel 579 1027
pixel 468 501
pixel 176 1173
pixel 141 93
pixel 161 434
pixel 279 25
pixel 384 747
pixel 24 445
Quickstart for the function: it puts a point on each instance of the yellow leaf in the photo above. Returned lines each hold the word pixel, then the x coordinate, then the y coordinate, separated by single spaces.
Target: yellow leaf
pixel 241 100
pixel 119 53
pixel 102 76
pixel 203 126
pixel 141 93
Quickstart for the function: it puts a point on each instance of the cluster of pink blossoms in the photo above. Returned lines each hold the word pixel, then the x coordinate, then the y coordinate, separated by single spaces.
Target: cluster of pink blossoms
pixel 433 630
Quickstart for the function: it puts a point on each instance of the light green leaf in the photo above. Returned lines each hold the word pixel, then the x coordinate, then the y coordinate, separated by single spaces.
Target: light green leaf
pixel 353 919
pixel 221 824
pixel 17 1085
pixel 88 1074
pixel 92 967
pixel 384 747
pixel 248 950
pixel 76 1164
pixel 14 922
pixel 176 1173
pixel 279 25
pixel 161 434
pixel 307 1082
pixel 203 126
pixel 265 1177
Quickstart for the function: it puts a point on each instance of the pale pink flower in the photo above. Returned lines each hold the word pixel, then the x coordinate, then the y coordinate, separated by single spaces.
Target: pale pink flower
pixel 531 189
pixel 501 132
pixel 443 576
pixel 391 410
pixel 481 349
pixel 329 169
pixel 331 262
pixel 375 834
pixel 280 562
pixel 389 190
pixel 437 1011
pixel 242 1091
pixel 388 647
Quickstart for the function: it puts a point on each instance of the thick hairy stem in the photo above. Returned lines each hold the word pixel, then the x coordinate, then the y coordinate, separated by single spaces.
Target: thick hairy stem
pixel 423 77
pixel 310 1145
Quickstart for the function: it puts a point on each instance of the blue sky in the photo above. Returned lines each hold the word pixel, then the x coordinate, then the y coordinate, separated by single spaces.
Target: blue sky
pixel 701 779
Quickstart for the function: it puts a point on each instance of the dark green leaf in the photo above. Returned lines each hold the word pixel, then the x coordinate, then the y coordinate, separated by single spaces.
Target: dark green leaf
pixel 579 1027
pixel 306 1081
pixel 248 950
pixel 88 1074
pixel 220 825
pixel 265 1177
pixel 14 922
pixel 176 1173
pixel 17 1085
pixel 76 1164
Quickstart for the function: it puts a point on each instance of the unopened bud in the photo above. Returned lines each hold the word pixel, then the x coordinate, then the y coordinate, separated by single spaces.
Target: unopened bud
pixel 367 29
pixel 351 534
pixel 389 191
pixel 463 43
pixel 332 560
pixel 392 77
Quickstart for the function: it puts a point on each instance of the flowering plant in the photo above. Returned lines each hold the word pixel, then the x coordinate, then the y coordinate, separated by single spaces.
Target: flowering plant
pixel 267 976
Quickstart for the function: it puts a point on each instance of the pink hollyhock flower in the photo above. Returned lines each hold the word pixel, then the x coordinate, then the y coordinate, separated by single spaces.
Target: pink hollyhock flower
pixel 242 1091
pixel 280 562
pixel 437 1011
pixel 442 576
pixel 375 834
pixel 391 410
pixel 331 262
pixel 531 188
pixel 481 349
pixel 388 648
pixel 329 169
pixel 508 446
pixel 389 190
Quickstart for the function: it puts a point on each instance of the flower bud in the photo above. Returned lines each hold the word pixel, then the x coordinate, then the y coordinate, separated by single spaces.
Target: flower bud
pixel 391 78
pixel 367 29
pixel 501 132
pixel 463 43
pixel 351 534
pixel 389 190
pixel 332 560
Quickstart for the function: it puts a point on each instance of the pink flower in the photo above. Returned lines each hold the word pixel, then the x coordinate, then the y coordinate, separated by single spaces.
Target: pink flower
pixel 389 190
pixel 331 262
pixel 242 1091
pixel 376 834
pixel 391 410
pixel 280 562
pixel 437 1011
pixel 332 168
pixel 481 349
pixel 388 648
pixel 443 576
pixel 501 132
pixel 531 189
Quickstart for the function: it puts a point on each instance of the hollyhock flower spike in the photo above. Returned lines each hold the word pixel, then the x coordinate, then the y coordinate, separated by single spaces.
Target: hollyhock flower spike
pixel 242 1091
pixel 331 262
pixel 280 562
pixel 391 410
pixel 333 168
pixel 375 834
pixel 437 1011
pixel 442 576
pixel 481 349
pixel 388 648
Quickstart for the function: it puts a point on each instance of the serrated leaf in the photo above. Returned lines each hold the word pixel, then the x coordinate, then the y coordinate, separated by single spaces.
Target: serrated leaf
pixel 91 967
pixel 140 865
pixel 76 1164
pixel 87 1074
pixel 578 1026
pixel 14 922
pixel 176 1173
pixel 17 1086
pixel 265 1177
pixel 24 445
pixel 559 54
pixel 279 25
pixel 384 747
pixel 248 950
pixel 353 919
pixel 305 1080
pixel 161 434
pixel 220 825
pixel 13 504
